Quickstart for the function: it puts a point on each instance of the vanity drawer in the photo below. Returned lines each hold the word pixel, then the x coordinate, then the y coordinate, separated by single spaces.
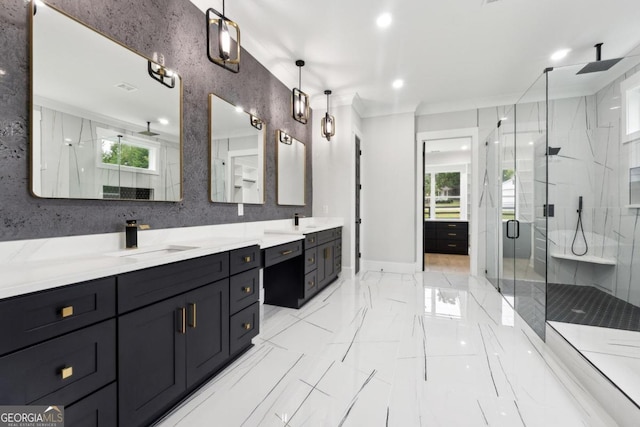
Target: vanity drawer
pixel 310 260
pixel 310 240
pixel 243 326
pixel 96 410
pixel 143 287
pixel 33 318
pixel 326 236
pixel 244 290
pixel 310 284
pixel 61 370
pixel 338 249
pixel 462 226
pixel 453 234
pixel 281 253
pixel 244 259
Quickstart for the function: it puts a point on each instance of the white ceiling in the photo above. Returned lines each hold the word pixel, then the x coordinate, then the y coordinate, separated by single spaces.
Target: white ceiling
pixel 451 54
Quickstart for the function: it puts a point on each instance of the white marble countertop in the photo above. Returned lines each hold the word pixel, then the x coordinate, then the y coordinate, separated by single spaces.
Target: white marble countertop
pixel 24 277
pixel 305 227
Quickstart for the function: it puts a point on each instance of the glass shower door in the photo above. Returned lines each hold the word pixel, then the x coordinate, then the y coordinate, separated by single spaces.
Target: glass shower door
pixel 490 203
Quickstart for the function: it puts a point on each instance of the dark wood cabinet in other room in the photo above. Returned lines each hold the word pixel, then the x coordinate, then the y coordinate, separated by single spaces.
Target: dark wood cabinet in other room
pixel 446 237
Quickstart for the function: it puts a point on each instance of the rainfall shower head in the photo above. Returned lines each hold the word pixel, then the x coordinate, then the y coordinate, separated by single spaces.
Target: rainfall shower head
pixel 148 131
pixel 552 151
pixel 599 65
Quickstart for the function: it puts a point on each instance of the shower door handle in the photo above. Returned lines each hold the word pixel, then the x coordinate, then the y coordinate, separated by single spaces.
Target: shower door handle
pixel 517 229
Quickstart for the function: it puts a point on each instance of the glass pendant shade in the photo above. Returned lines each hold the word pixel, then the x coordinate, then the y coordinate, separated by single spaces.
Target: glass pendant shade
pixel 328 122
pixel 220 44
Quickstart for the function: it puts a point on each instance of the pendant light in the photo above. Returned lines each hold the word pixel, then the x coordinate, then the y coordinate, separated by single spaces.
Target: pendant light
pixel 219 38
pixel 328 122
pixel 299 99
pixel 158 71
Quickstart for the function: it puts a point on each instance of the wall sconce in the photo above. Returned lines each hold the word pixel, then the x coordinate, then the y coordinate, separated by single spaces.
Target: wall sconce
pixel 158 71
pixel 299 99
pixel 255 122
pixel 285 138
pixel 222 42
pixel 328 122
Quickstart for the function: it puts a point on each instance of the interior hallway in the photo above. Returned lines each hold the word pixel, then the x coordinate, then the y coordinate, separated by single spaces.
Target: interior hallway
pixel 383 349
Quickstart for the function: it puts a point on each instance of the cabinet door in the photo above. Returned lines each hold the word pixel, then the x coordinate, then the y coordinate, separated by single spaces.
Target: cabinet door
pixel 207 330
pixel 151 374
pixel 326 263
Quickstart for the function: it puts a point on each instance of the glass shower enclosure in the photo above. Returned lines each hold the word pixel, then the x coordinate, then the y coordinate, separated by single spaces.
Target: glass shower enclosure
pixel 561 187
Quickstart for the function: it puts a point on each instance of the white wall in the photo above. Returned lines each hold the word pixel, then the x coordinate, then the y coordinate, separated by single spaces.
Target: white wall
pixel 388 193
pixel 334 175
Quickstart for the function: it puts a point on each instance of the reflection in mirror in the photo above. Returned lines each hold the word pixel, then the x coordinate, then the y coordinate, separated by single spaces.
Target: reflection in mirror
pixel 291 170
pixel 102 126
pixel 237 154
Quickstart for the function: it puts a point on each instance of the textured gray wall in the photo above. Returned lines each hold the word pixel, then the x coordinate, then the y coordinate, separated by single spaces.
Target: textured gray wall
pixel 175 28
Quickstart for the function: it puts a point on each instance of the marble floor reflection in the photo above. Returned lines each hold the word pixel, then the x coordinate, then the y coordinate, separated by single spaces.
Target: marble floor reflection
pixel 382 349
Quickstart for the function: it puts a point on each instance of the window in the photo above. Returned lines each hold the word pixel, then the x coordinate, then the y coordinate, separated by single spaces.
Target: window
pixel 630 91
pixel 508 194
pixel 126 152
pixel 445 192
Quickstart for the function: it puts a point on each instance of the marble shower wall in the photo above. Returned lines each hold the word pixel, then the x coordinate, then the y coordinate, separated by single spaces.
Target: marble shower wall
pixel 175 28
pixel 592 163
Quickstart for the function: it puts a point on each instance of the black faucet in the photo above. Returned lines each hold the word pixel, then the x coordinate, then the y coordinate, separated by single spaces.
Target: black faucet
pixel 131 233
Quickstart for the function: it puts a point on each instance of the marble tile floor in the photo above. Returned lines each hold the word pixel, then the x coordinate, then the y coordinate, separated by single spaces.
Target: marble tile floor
pixel 615 352
pixel 384 349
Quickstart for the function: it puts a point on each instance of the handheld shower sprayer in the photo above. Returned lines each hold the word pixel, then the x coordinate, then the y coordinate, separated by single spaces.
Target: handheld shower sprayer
pixel 580 228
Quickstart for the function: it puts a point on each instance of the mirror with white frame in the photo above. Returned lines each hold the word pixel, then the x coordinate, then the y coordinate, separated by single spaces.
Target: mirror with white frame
pixel 291 170
pixel 237 162
pixel 104 125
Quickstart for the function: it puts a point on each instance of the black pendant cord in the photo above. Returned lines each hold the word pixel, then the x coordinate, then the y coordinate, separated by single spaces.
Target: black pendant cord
pixel 575 236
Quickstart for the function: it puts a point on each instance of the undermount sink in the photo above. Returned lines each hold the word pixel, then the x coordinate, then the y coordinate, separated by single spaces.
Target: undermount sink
pixel 151 252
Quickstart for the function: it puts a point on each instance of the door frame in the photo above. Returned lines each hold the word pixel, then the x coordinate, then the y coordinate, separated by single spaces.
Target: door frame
pixel 475 191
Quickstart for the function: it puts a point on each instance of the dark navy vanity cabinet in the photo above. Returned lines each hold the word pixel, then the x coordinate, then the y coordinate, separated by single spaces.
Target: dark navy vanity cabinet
pixel 295 272
pixel 123 350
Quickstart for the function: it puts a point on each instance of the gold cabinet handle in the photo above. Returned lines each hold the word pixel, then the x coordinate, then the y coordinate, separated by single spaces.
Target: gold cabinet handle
pixel 452 246
pixel 451 225
pixel 286 252
pixel 312 260
pixel 66 372
pixel 246 326
pixel 192 308
pixel 247 259
pixel 451 234
pixel 312 284
pixel 183 320
pixel 312 240
pixel 327 251
pixel 66 311
pixel 246 290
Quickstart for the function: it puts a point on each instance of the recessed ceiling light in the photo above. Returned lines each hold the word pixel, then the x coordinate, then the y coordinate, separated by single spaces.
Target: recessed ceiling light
pixel 398 83
pixel 616 107
pixel 384 20
pixel 239 109
pixel 530 142
pixel 163 121
pixel 496 142
pixel 68 139
pixel 464 147
pixel 559 54
pixel 503 118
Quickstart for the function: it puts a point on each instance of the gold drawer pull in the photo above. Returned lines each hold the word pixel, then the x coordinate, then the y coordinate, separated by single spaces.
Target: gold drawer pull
pixel 66 372
pixel 312 260
pixel 286 252
pixel 452 234
pixel 247 259
pixel 66 311
pixel 246 290
pixel 312 284
pixel 312 240
pixel 453 246
pixel 193 315
pixel 183 319
pixel 246 326
pixel 451 225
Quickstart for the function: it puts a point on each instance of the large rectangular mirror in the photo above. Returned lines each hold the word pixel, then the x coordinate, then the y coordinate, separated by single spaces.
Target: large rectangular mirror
pixel 237 154
pixel 106 121
pixel 291 170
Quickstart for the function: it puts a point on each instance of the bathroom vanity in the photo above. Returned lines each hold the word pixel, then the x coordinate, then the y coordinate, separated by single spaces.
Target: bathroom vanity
pixel 296 271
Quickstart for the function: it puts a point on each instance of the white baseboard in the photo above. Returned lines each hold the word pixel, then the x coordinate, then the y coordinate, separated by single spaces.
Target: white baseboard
pixel 388 267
